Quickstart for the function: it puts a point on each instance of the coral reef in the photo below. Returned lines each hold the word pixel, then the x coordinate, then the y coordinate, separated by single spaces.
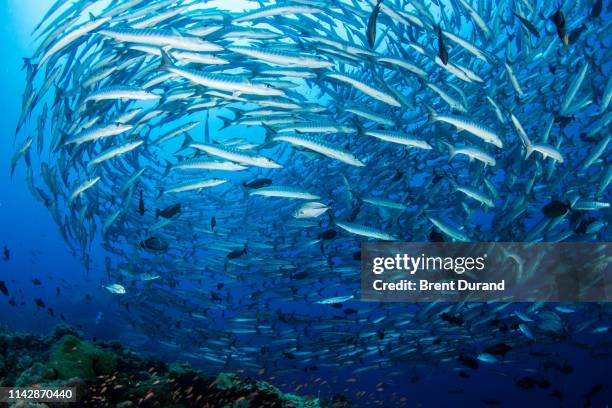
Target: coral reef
pixel 110 375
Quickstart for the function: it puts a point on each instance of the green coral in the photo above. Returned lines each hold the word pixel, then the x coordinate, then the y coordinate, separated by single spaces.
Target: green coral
pixel 72 357
pixel 225 381
pixel 289 400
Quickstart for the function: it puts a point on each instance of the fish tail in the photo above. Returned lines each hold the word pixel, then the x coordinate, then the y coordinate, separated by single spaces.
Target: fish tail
pixel 166 62
pixel 451 150
pixel 186 143
pixel 27 63
pixel 529 148
pixel 432 114
pixel 160 193
pixel 227 122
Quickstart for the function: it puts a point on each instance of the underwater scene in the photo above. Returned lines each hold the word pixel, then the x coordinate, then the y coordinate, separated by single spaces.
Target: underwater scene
pixel 188 186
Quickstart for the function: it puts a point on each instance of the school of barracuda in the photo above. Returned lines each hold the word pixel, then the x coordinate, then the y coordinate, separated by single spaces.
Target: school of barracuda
pixel 347 120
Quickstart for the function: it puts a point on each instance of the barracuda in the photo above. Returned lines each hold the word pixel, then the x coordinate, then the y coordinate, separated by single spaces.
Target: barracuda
pixel 317 127
pixel 403 64
pixel 72 36
pixel 86 185
pixel 284 192
pixel 114 152
pixel 283 58
pixel 399 138
pixel 365 231
pixel 120 93
pixel 474 128
pixel 323 148
pixel 195 185
pixel 97 133
pixel 573 88
pixel 366 89
pixel 237 156
pixel 201 164
pixel 183 129
pixel 276 10
pixel 223 83
pixel 161 38
pixel 370 116
pixel 452 232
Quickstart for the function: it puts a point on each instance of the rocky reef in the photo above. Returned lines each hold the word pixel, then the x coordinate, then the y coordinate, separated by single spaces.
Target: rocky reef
pixel 107 374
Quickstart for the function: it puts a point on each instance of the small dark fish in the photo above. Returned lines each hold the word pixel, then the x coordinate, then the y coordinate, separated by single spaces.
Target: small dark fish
pixel 154 244
pixel 528 25
pixel 596 389
pixel 357 256
pixel 300 275
pixel 596 10
pixel 169 212
pixel 555 208
pixel 220 285
pixel 529 383
pixel 215 296
pixel 237 253
pixel 289 355
pixel 88 297
pixel 6 254
pixel 36 282
pixel 213 223
pixel 371 33
pixel 141 206
pixel 563 121
pixel 3 288
pixel 397 176
pixel 39 302
pixel 575 34
pixel 468 361
pixel 452 319
pixel 328 234
pixel 442 52
pixel 57 291
pixel 257 183
pixel 435 236
pixel 557 394
pixel 498 349
pixel 349 311
pixel 51 312
pixel 559 19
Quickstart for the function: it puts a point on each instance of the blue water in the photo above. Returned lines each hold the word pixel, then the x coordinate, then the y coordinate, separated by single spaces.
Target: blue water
pixel 38 251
